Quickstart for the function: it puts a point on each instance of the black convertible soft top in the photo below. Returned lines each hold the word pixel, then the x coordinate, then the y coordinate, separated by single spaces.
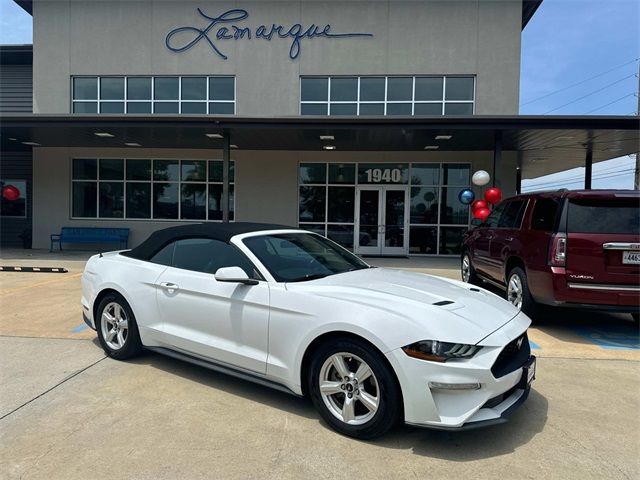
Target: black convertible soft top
pixel 217 231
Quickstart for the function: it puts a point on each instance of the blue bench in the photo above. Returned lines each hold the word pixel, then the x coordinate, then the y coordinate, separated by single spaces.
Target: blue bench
pixel 90 235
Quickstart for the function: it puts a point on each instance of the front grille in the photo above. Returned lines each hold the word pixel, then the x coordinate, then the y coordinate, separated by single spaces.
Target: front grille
pixel 512 357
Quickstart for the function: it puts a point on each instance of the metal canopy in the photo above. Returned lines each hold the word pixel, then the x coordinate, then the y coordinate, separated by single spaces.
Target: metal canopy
pixel 545 144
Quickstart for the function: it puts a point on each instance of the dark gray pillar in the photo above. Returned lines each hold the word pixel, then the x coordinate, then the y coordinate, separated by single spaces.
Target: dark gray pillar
pixel 226 142
pixel 497 157
pixel 519 175
pixel 588 169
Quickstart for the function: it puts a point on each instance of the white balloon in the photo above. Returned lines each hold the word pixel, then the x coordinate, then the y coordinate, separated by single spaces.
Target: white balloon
pixel 480 178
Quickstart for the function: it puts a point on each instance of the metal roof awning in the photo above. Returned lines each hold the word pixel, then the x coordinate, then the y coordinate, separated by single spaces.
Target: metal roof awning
pixel 545 144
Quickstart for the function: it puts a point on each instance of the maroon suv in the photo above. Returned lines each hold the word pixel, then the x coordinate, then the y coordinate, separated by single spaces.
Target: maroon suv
pixel 566 248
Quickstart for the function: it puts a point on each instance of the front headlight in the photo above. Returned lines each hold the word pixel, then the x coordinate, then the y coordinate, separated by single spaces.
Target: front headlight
pixel 435 351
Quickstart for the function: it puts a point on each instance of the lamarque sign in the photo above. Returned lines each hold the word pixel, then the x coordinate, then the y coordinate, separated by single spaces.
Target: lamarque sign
pixel 225 27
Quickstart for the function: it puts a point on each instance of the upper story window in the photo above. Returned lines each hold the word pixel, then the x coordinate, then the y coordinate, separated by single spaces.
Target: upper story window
pixel 166 94
pixel 423 95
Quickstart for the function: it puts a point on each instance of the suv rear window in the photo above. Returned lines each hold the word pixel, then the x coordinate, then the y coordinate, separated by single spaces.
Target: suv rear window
pixel 544 214
pixel 604 216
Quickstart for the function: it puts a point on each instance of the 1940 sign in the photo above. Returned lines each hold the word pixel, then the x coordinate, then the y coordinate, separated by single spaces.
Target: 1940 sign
pixel 223 28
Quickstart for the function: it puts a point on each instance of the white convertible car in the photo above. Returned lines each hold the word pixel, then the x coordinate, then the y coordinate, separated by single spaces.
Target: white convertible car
pixel 295 311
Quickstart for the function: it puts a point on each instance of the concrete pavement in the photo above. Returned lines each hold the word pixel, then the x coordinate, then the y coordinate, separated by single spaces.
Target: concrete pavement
pixel 68 412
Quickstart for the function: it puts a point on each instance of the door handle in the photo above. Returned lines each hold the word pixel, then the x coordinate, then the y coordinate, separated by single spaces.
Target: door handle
pixel 508 239
pixel 169 287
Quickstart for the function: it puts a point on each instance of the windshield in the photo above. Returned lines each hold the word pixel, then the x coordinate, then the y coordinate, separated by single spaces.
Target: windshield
pixel 296 257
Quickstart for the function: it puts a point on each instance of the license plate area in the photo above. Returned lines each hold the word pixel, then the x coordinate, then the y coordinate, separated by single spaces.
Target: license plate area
pixel 528 372
pixel 630 257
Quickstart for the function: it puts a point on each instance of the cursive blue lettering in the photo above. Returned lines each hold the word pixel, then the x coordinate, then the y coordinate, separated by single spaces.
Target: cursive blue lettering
pixel 234 32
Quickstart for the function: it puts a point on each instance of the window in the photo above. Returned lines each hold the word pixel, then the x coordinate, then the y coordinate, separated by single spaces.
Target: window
pixel 422 95
pixel 149 189
pixel 208 255
pixel 494 217
pixel 164 256
pixel 13 198
pixel 512 216
pixel 437 218
pixel 544 214
pixel 161 94
pixel 616 216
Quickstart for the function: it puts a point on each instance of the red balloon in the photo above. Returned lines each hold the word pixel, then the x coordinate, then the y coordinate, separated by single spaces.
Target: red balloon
pixel 478 204
pixel 493 195
pixel 10 193
pixel 481 213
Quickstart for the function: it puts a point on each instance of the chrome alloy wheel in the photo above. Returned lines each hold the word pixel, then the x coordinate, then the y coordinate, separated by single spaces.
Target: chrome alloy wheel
pixel 114 325
pixel 466 268
pixel 514 291
pixel 349 388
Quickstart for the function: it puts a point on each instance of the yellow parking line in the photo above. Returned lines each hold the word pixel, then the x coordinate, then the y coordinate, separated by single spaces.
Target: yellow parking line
pixel 27 287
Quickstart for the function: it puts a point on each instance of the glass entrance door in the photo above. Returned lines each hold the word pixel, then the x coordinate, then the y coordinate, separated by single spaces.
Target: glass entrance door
pixel 382 220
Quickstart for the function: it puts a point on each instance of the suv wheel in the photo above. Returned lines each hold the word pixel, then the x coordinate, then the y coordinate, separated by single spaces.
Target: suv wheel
pixel 467 271
pixel 354 389
pixel 518 291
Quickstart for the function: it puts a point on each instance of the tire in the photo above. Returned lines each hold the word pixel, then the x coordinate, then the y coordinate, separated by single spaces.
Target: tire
pixel 125 342
pixel 379 390
pixel 467 270
pixel 518 293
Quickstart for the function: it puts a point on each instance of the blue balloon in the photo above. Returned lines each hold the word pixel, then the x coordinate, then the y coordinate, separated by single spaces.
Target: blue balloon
pixel 466 196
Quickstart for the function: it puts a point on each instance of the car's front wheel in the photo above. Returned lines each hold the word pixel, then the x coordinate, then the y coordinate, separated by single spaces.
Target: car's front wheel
pixel 467 271
pixel 518 292
pixel 354 389
pixel 117 329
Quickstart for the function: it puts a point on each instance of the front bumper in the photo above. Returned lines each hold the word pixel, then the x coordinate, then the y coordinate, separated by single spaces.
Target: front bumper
pixel 492 403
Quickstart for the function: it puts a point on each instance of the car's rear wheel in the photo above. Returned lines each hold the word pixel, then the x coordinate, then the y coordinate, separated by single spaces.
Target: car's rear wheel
pixel 354 389
pixel 117 329
pixel 518 293
pixel 467 271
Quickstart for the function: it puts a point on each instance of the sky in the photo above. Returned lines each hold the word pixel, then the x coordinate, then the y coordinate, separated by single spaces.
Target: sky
pixel 578 57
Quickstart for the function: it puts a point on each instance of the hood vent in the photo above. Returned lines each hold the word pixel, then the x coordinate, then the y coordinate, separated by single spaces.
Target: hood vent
pixel 442 303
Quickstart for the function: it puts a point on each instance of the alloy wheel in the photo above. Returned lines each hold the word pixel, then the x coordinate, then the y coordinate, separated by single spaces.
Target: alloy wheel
pixel 466 269
pixel 514 291
pixel 114 325
pixel 349 388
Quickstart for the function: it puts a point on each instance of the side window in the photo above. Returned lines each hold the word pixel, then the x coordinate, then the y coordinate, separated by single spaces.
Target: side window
pixel 494 218
pixel 512 216
pixel 207 255
pixel 164 256
pixel 544 214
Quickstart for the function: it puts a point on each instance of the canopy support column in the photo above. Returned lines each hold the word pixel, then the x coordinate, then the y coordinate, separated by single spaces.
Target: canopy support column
pixel 497 156
pixel 224 204
pixel 588 168
pixel 519 175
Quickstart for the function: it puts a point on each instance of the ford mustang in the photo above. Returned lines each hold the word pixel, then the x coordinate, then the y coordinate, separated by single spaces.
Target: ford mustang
pixel 292 310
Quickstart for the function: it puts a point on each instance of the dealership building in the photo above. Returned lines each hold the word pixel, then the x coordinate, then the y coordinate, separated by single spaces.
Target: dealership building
pixel 361 120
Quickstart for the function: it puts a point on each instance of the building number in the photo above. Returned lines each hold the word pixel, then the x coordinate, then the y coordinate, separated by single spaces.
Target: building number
pixel 388 175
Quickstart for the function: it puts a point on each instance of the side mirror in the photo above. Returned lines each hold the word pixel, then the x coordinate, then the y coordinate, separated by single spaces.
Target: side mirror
pixel 234 275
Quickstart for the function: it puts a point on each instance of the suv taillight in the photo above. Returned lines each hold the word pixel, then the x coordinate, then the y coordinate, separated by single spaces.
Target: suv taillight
pixel 558 250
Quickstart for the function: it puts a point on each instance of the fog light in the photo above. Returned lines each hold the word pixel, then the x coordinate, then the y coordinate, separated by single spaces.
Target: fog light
pixel 455 386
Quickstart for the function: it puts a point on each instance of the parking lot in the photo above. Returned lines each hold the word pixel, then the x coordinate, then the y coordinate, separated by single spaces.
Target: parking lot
pixel 68 412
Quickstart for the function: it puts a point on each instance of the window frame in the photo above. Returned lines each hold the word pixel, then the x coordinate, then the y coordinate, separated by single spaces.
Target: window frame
pixel 151 183
pixel 151 100
pixel 385 102
pixel 440 186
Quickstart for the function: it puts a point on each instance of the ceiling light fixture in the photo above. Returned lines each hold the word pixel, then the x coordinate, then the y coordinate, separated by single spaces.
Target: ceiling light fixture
pixel 327 137
pixel 431 147
pixel 233 146
pixel 13 139
pixel 329 147
pixel 103 135
pixel 31 144
pixel 132 144
pixel 214 135
pixel 443 137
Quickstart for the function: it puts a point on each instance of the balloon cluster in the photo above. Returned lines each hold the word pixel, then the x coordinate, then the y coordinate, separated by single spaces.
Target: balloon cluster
pixel 480 208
